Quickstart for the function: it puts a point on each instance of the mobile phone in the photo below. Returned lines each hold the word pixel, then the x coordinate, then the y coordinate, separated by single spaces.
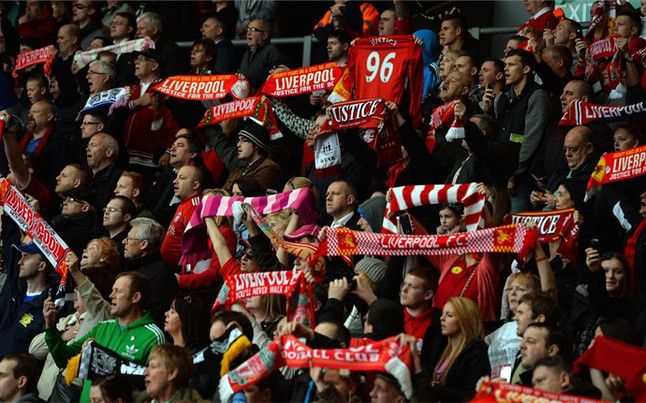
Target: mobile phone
pixel 594 243
pixel 405 223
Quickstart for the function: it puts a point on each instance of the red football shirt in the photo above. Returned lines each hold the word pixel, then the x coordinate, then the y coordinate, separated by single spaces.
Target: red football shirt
pixel 171 248
pixel 383 67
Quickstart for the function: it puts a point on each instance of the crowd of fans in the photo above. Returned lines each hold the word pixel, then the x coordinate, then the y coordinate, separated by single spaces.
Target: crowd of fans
pixel 119 186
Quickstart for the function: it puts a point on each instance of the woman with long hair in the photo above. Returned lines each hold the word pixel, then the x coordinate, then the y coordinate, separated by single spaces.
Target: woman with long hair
pixel 465 359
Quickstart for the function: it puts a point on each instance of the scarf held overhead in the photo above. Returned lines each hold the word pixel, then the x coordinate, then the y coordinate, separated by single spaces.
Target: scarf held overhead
pixel 82 59
pixel 404 197
pixel 299 81
pixel 442 115
pixel 583 113
pixel 512 238
pixel 380 130
pixel 288 283
pixel 622 359
pixel 15 205
pixel 619 166
pixel 115 98
pixel 551 225
pixel 33 57
pixel 383 356
pixel 203 88
pixel 194 240
pixel 305 251
pixel 502 392
pixel 257 109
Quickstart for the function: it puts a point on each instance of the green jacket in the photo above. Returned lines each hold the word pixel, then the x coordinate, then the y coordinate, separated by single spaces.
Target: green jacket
pixel 134 342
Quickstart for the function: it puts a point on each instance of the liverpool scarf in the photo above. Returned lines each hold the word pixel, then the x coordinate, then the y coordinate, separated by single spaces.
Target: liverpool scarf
pixel 257 109
pixel 291 284
pixel 383 356
pixel 305 251
pixel 33 57
pixel 98 361
pixel 115 98
pixel 372 115
pixel 82 59
pixel 583 113
pixel 622 359
pixel 502 392
pixel 194 240
pixel 442 115
pixel 512 238
pixel 203 88
pixel 404 197
pixel 15 205
pixel 300 81
pixel 551 225
pixel 619 166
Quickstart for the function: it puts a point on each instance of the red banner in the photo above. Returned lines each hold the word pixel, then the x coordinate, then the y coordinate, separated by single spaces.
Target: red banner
pixel 36 56
pixel 499 392
pixel 203 88
pixel 15 205
pixel 551 225
pixel 619 166
pixel 364 114
pixel 303 80
pixel 384 356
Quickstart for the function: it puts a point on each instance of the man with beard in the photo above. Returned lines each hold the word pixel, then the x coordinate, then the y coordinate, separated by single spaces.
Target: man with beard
pixel 42 141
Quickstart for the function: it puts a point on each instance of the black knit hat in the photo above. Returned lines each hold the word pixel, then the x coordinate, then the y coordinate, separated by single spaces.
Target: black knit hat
pixel 255 133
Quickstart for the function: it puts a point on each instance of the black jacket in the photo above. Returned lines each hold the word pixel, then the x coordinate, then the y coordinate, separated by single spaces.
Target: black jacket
pixel 103 185
pixel 226 60
pixel 162 282
pixel 255 65
pixel 76 230
pixel 468 367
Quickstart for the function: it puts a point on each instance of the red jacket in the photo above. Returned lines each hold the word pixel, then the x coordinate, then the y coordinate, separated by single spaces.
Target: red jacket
pixel 148 132
pixel 42 30
pixel 417 325
pixel 544 21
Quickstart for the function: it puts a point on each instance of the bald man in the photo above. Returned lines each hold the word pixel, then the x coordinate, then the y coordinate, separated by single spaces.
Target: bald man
pixel 41 141
pixel 102 152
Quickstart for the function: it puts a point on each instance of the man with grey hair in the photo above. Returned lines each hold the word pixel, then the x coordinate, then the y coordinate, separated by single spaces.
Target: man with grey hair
pixel 100 76
pixel 173 61
pixel 261 56
pixel 141 251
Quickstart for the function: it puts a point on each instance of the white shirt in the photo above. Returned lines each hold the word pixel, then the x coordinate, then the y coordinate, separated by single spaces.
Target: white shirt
pixel 342 221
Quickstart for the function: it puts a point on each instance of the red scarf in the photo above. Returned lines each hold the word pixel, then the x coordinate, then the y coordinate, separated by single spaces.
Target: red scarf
pixel 41 144
pixel 33 57
pixel 257 109
pixel 300 81
pixel 203 88
pixel 383 356
pixel 622 359
pixel 584 113
pixel 619 166
pixel 500 392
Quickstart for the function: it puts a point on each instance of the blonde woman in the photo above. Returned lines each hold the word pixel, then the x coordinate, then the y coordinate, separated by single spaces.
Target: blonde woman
pixel 465 359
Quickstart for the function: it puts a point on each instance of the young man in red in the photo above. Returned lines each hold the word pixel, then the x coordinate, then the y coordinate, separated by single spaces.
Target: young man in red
pixel 421 320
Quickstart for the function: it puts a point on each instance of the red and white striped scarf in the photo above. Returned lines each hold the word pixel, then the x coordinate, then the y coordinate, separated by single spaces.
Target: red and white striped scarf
pixel 404 197
pixel 512 238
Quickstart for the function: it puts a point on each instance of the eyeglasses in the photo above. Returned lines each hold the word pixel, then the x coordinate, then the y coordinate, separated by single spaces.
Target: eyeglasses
pixel 254 29
pixel 133 239
pixel 111 210
pixel 94 72
pixel 248 255
pixel 80 6
pixel 89 123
